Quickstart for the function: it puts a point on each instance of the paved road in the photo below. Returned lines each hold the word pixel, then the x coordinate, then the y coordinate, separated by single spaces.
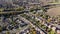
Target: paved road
pixel 13 12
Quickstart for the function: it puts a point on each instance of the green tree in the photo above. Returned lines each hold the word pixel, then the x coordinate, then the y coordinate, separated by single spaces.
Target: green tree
pixel 0 28
pixel 31 10
pixel 42 8
pixel 19 9
pixel 51 31
pixel 7 32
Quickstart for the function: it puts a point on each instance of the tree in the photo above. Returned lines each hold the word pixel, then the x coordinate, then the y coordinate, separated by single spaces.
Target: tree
pixel 49 20
pixel 56 0
pixel 42 8
pixel 19 9
pixel 33 31
pixel 31 10
pixel 0 28
pixel 51 32
pixel 1 9
pixel 7 32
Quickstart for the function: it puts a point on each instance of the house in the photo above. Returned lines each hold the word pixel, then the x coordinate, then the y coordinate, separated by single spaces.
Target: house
pixel 58 31
pixel 53 28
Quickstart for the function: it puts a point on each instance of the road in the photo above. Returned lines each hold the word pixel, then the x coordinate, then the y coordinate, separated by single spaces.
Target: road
pixel 13 12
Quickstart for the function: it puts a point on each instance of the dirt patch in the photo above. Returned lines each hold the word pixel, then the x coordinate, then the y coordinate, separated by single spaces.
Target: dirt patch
pixel 53 11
